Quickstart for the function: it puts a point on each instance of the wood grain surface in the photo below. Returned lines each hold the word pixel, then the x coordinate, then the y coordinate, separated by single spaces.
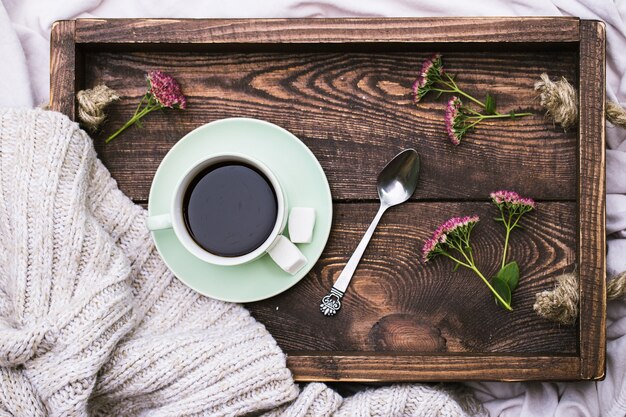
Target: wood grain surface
pixel 592 189
pixel 398 303
pixel 63 67
pixel 378 367
pixel 354 111
pixel 343 87
pixel 205 32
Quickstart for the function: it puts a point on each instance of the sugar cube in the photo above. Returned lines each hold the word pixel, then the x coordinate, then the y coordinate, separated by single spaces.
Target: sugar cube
pixel 301 224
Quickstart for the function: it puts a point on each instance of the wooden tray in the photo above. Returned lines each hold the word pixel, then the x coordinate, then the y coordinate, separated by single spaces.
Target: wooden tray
pixel 343 87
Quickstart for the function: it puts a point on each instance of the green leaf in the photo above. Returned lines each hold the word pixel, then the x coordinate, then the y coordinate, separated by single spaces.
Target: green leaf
pixel 490 104
pixel 509 274
pixel 456 267
pixel 502 289
pixel 498 219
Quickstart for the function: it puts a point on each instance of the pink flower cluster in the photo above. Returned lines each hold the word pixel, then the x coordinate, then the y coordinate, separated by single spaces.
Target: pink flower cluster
pixel 166 90
pixel 511 199
pixel 459 119
pixel 431 247
pixel 451 120
pixel 450 227
pixel 431 69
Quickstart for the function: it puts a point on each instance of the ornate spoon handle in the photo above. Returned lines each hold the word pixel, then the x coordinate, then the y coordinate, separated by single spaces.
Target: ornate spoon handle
pixel 331 303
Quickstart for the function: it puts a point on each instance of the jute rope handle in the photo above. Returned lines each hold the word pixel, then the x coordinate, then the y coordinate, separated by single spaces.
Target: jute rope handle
pixel 91 105
pixel 560 100
pixel 561 304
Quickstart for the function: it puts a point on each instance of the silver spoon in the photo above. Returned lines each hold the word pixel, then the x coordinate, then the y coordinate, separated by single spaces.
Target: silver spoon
pixel 396 183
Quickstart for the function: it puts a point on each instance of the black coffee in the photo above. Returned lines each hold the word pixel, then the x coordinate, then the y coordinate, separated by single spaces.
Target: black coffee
pixel 230 209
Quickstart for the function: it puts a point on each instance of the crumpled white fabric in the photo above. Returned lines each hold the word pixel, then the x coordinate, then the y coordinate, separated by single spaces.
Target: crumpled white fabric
pixel 24 81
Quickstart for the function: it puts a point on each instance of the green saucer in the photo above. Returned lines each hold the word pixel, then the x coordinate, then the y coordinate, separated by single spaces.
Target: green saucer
pixel 301 177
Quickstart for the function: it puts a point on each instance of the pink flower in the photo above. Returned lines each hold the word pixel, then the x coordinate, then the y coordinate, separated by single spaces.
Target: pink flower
pixel 504 196
pixel 455 227
pixel 512 200
pixel 432 246
pixel 429 249
pixel 453 120
pixel 163 91
pixel 166 90
pixel 529 202
pixel 451 225
pixel 432 69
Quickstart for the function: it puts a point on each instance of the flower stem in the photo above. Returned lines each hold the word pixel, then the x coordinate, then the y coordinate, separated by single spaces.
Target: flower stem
pixel 504 303
pixel 506 245
pixel 456 89
pixel 137 116
pixel 471 265
pixel 456 260
pixel 464 94
pixel 140 103
pixel 509 227
pixel 474 120
pixel 498 116
pixel 473 124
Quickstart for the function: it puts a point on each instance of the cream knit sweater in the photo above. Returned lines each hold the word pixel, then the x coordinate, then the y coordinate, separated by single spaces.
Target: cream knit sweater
pixel 93 323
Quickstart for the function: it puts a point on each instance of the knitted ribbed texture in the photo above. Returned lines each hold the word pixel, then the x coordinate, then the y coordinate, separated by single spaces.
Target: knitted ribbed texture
pixel 68 300
pixel 401 400
pixel 317 400
pixel 93 323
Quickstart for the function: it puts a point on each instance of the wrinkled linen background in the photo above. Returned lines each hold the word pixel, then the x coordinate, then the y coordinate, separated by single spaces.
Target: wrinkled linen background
pixel 24 81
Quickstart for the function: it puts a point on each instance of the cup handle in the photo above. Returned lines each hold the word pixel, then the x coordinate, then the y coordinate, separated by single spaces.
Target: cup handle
pixel 287 255
pixel 162 221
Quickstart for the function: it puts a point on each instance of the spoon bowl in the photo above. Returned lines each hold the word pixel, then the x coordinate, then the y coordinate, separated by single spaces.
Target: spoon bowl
pixel 398 179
